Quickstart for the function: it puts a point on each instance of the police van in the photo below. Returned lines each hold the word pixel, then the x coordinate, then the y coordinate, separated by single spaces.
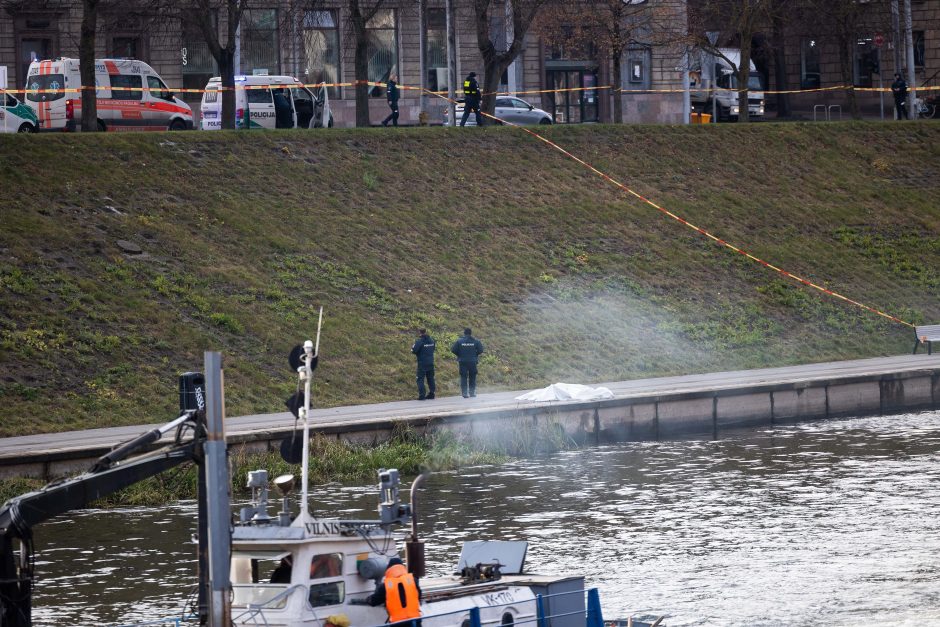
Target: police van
pixel 131 97
pixel 268 102
pixel 16 117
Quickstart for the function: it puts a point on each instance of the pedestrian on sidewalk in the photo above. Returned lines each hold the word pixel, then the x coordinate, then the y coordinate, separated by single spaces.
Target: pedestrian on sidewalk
pixel 899 89
pixel 423 349
pixel 468 350
pixel 391 94
pixel 471 99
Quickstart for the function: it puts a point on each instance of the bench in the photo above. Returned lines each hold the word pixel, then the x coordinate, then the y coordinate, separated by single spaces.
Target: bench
pixel 926 334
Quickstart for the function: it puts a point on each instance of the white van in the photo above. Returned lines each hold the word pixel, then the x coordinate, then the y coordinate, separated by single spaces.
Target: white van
pixel 268 102
pixel 131 97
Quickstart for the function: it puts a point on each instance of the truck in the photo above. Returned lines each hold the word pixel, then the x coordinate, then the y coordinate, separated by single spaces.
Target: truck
pixel 713 83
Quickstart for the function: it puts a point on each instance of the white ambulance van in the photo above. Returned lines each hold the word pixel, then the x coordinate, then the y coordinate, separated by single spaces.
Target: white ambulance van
pixel 131 97
pixel 268 102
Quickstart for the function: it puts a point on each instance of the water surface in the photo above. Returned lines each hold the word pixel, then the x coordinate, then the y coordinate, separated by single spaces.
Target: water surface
pixel 825 523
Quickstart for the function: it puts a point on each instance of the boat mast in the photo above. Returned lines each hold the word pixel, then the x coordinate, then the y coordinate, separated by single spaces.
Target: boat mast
pixel 310 352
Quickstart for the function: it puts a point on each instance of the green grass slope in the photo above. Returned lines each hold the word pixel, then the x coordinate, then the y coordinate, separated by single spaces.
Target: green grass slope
pixel 563 276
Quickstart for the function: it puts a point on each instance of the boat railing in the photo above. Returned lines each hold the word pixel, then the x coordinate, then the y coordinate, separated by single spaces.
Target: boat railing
pixel 592 612
pixel 176 621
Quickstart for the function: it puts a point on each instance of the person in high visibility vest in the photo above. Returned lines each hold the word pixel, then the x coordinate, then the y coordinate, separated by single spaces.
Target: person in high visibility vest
pixel 400 593
pixel 471 94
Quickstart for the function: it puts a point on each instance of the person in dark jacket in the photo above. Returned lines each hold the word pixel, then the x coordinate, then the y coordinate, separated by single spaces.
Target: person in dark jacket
pixel 391 94
pixel 283 115
pixel 468 350
pixel 899 89
pixel 471 94
pixel 423 348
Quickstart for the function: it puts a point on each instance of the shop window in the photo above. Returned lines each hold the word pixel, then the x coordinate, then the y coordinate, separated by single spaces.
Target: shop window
pixel 259 42
pixel 437 50
pixel 126 47
pixel 321 49
pixel 198 63
pixel 809 64
pixel 383 49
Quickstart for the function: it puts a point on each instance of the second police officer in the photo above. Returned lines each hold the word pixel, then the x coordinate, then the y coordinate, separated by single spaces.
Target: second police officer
pixel 423 348
pixel 471 92
pixel 468 350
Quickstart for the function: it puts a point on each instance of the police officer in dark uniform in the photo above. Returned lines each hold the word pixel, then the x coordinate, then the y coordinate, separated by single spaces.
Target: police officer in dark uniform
pixel 392 94
pixel 423 348
pixel 899 89
pixel 468 350
pixel 471 92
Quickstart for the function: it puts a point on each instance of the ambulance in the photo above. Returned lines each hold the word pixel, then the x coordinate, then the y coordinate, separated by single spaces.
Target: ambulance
pixel 131 97
pixel 268 102
pixel 16 117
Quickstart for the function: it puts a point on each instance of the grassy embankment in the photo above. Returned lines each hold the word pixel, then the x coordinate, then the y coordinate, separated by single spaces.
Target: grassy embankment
pixel 564 277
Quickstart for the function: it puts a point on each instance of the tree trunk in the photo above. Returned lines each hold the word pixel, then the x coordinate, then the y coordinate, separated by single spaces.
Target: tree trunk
pixel 744 77
pixel 847 78
pixel 618 84
pixel 226 62
pixel 780 67
pixel 86 65
pixel 492 72
pixel 362 77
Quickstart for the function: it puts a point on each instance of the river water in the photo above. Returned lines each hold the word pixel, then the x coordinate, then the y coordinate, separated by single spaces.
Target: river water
pixel 824 523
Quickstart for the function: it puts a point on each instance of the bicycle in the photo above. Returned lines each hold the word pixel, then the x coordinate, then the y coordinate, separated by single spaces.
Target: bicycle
pixel 926 109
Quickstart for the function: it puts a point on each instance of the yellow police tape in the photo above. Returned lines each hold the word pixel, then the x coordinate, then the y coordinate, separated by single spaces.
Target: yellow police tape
pixel 612 88
pixel 700 230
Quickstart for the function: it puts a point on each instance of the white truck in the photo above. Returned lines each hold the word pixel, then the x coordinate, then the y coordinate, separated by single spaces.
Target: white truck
pixel 714 85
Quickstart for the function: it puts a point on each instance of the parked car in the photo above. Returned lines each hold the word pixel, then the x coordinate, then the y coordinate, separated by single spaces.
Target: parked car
pixel 268 102
pixel 131 96
pixel 16 117
pixel 509 108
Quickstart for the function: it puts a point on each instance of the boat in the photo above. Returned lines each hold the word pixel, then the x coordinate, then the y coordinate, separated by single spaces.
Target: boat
pixel 294 569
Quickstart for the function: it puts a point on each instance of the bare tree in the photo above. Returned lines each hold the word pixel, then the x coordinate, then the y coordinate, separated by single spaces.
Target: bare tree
pixel 842 22
pixel 495 62
pixel 611 25
pixel 735 22
pixel 360 13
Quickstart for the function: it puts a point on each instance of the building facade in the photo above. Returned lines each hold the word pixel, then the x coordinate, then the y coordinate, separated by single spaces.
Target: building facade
pixel 314 43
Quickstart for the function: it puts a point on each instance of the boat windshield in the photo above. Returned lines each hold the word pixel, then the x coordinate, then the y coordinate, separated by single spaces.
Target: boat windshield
pixel 244 595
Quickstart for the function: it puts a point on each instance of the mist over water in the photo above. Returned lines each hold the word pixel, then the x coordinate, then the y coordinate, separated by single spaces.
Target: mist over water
pixel 824 523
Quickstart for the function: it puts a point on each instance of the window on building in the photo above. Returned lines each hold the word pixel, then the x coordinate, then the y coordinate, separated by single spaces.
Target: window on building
pixel 809 64
pixel 919 48
pixel 126 47
pixel 864 49
pixel 321 49
pixel 437 50
pixel 259 42
pixel 383 49
pixel 198 63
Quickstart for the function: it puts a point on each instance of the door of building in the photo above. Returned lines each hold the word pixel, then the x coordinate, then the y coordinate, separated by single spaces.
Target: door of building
pixel 32 48
pixel 575 106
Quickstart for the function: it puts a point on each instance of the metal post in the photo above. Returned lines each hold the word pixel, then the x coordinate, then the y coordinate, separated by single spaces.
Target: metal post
pixel 238 51
pixel 911 78
pixel 512 85
pixel 686 89
pixel 475 617
pixel 896 35
pixel 423 55
pixel 217 488
pixel 595 617
pixel 881 93
pixel 540 611
pixel 451 59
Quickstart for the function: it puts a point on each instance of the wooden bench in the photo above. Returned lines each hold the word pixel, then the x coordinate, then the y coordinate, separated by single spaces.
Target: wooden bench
pixel 926 334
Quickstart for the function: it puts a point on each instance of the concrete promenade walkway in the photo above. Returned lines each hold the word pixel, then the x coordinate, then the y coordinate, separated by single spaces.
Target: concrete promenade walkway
pixel 83 445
